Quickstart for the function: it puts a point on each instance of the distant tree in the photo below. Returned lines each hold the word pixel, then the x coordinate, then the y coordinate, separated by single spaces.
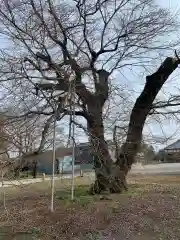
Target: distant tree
pixel 25 137
pixel 146 153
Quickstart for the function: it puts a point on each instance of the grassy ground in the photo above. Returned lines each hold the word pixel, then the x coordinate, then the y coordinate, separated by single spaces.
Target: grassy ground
pixel 150 210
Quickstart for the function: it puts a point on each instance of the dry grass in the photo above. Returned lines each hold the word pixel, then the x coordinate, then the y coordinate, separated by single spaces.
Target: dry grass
pixel 150 210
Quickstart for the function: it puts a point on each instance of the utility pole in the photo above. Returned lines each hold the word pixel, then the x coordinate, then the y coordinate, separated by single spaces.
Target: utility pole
pixel 53 161
pixel 73 140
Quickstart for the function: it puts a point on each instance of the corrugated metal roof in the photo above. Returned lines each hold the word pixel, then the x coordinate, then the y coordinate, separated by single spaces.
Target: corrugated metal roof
pixel 175 145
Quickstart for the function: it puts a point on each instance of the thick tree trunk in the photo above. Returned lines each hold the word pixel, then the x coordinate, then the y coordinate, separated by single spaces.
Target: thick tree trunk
pixel 108 175
pixel 102 159
pixel 140 111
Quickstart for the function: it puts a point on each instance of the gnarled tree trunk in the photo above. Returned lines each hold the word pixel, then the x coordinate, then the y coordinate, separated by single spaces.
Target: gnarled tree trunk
pixel 107 174
pixel 112 176
pixel 140 111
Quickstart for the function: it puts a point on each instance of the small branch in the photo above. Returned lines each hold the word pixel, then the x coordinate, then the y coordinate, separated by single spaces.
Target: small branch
pixel 81 126
pixel 29 114
pixel 78 113
pixel 50 86
pixel 165 105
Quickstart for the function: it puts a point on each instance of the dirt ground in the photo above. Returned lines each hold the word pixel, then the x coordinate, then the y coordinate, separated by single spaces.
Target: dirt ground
pixel 150 210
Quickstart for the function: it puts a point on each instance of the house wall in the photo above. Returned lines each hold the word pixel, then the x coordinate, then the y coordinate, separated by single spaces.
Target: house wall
pixel 83 159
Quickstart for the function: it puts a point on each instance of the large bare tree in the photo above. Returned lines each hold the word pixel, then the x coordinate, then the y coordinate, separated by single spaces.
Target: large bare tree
pixel 60 48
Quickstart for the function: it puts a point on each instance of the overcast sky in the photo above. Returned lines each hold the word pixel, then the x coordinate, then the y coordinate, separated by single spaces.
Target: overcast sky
pixel 168 127
pixel 135 84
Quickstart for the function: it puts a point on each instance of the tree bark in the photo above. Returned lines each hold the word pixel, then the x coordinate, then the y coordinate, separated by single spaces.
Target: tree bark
pixel 102 160
pixel 108 175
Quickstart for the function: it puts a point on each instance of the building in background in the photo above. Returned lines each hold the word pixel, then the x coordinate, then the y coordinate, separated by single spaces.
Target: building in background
pixel 170 153
pixel 83 159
